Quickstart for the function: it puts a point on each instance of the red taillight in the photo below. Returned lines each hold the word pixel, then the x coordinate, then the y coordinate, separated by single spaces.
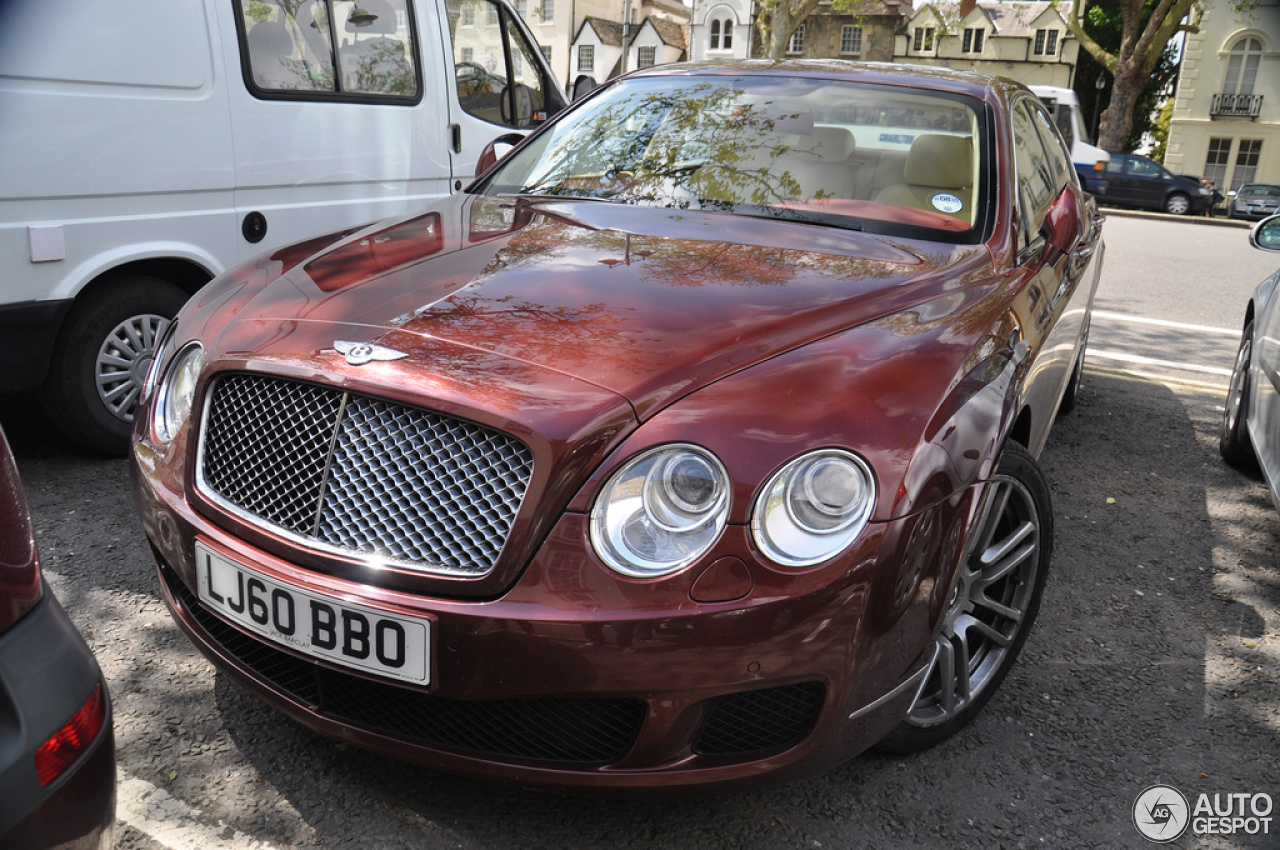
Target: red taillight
pixel 61 751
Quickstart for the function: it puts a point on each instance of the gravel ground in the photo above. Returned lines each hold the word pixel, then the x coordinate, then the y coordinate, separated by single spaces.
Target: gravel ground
pixel 1156 660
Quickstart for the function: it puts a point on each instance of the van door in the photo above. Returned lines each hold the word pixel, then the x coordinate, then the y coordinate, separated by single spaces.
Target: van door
pixel 336 112
pixel 500 81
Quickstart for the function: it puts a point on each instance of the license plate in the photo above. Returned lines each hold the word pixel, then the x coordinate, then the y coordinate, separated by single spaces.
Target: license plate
pixel 354 636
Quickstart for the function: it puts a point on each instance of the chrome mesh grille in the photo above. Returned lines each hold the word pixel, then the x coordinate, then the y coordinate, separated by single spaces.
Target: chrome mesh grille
pixel 362 475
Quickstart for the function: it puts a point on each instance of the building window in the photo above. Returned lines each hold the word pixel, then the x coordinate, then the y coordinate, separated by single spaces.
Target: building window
pixel 923 39
pixel 1046 43
pixel 402 19
pixel 522 8
pixel 796 44
pixel 1247 156
pixel 1215 164
pixel 546 51
pixel 1242 67
pixel 586 59
pixel 722 34
pixel 548 11
pixel 973 38
pixel 491 16
pixel 468 14
pixel 851 39
pixel 646 57
pixel 468 55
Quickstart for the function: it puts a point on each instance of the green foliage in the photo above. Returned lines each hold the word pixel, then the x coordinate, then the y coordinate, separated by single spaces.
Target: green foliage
pixel 1160 130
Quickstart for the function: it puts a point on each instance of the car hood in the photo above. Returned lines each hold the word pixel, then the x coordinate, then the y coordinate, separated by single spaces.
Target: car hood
pixel 644 304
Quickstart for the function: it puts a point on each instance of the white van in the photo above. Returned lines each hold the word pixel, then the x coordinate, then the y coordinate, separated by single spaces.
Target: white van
pixel 147 145
pixel 1090 161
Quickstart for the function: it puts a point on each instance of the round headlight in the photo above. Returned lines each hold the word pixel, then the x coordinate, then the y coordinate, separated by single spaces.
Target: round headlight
pixel 177 392
pixel 813 507
pixel 661 511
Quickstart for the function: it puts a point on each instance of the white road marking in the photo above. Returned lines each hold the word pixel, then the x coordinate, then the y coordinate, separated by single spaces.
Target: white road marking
pixel 1151 361
pixel 1141 320
pixel 1217 391
pixel 171 822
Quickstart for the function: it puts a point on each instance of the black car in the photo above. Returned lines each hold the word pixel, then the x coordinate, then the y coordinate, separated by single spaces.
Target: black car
pixel 1136 181
pixel 57 749
pixel 1255 201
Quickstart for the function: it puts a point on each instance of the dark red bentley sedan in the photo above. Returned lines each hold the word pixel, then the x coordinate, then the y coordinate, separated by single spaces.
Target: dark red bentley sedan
pixel 693 444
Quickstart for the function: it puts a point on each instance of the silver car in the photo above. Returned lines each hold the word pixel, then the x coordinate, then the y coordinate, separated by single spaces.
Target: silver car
pixel 1251 424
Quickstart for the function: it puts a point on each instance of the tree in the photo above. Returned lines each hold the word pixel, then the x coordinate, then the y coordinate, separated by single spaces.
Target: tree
pixel 1145 33
pixel 1104 25
pixel 777 20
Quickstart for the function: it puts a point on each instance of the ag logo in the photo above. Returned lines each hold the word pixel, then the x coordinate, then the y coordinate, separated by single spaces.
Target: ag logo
pixel 1161 813
pixel 360 353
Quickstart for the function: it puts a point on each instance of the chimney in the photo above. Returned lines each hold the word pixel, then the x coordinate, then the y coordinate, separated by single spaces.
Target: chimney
pixel 967 6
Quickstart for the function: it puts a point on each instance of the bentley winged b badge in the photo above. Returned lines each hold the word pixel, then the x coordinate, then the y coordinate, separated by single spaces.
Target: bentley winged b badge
pixel 360 353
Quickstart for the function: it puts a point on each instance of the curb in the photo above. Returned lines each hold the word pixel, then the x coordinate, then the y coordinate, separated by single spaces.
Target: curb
pixel 1189 219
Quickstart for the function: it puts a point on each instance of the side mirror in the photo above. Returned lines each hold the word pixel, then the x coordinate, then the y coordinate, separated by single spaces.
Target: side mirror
pixel 582 85
pixel 491 154
pixel 1266 234
pixel 1063 224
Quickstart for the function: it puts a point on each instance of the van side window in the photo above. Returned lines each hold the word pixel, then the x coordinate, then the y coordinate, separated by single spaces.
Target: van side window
pixel 498 77
pixel 333 49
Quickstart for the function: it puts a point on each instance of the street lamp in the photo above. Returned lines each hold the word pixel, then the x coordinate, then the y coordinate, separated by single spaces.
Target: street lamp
pixel 1100 83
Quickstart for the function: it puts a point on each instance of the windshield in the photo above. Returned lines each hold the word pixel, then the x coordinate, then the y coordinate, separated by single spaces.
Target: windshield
pixel 1261 191
pixel 879 158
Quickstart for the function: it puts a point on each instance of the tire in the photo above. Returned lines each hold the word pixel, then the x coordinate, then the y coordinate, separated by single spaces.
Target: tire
pixel 1233 437
pixel 1072 393
pixel 102 357
pixel 993 605
pixel 1177 204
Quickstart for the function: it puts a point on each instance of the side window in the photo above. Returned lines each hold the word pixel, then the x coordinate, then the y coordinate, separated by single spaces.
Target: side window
pixel 330 49
pixel 1035 174
pixel 497 73
pixel 1144 168
pixel 1056 150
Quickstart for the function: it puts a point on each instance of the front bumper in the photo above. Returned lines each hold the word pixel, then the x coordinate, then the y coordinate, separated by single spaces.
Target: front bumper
pixel 46 674
pixel 578 679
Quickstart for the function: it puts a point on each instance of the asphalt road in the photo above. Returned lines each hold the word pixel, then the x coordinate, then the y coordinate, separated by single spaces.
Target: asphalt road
pixel 1156 658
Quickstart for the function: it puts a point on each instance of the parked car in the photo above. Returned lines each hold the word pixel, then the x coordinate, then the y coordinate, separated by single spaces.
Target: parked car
pixel 1136 181
pixel 1250 436
pixel 1255 201
pixel 154 144
pixel 694 444
pixel 57 750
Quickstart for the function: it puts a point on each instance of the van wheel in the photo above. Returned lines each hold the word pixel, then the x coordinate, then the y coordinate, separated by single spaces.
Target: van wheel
pixel 102 357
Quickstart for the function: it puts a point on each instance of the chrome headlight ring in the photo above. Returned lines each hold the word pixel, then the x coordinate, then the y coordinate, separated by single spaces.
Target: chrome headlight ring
pixel 661 511
pixel 812 508
pixel 175 392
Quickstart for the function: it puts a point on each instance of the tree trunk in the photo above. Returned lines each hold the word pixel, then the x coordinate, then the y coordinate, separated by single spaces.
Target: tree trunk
pixel 778 35
pixel 1117 119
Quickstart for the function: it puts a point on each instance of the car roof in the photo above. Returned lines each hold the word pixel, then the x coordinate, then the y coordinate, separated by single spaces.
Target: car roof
pixel 981 86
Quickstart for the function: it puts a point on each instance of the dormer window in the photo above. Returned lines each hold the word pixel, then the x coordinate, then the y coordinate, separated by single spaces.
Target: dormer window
pixel 973 40
pixel 923 39
pixel 1046 42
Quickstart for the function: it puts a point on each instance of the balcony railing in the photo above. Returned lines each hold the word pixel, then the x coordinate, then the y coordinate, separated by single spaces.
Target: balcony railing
pixel 1236 106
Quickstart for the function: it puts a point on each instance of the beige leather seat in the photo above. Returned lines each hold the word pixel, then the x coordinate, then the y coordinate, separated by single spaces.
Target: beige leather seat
pixel 938 176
